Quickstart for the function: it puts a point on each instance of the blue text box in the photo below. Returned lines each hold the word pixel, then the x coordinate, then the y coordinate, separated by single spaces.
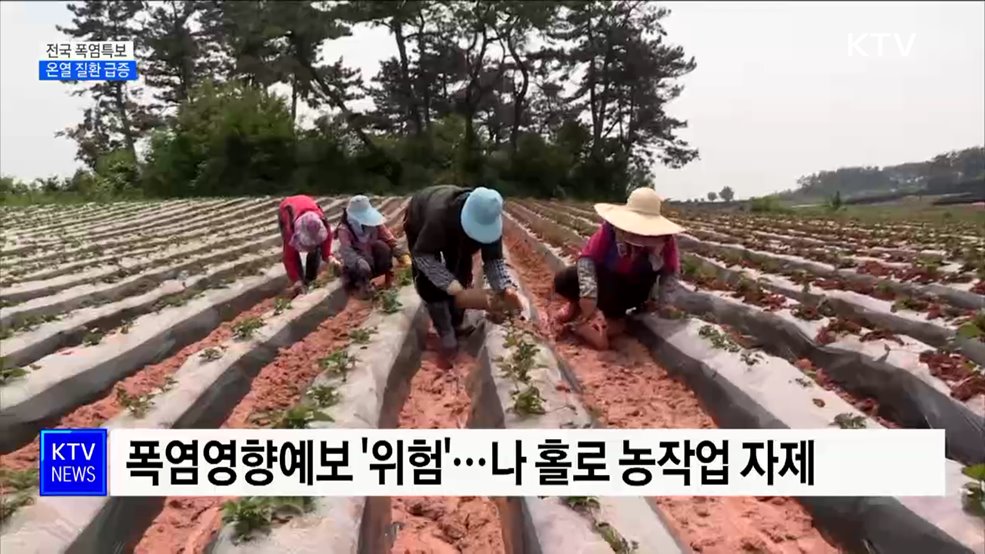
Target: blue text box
pixel 73 462
pixel 89 70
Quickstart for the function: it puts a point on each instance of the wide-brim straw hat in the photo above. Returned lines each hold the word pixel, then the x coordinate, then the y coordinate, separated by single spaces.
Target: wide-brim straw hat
pixel 640 215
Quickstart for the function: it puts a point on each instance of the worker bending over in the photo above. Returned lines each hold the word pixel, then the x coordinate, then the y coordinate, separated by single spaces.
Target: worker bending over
pixel 304 230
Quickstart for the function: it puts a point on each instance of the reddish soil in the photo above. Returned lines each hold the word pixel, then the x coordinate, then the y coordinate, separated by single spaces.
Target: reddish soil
pixel 145 380
pixel 438 399
pixel 979 287
pixel 869 406
pixel 187 524
pixel 625 388
pixel 955 371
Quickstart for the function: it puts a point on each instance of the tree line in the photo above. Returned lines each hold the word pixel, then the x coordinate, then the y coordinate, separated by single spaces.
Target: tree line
pixel 539 98
pixel 967 165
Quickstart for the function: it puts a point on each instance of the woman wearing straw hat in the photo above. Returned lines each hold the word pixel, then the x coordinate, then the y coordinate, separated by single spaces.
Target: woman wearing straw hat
pixel 619 266
pixel 446 225
pixel 366 247
pixel 304 230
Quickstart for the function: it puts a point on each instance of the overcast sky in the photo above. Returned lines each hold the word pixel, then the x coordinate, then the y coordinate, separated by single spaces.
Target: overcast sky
pixel 779 90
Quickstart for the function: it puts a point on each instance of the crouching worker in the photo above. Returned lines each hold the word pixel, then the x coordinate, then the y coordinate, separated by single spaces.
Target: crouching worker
pixel 366 247
pixel 445 226
pixel 631 251
pixel 304 230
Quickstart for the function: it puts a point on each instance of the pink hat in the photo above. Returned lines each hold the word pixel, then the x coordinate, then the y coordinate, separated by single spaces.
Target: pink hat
pixel 309 232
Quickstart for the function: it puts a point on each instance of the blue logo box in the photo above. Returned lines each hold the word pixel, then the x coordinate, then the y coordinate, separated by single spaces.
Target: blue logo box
pixel 92 70
pixel 74 462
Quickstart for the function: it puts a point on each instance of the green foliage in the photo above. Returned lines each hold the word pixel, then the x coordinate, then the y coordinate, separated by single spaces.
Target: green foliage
pixel 281 305
pixel 300 416
pixel 718 339
pixel 386 301
pixel 528 401
pixel 500 115
pixel 767 204
pixel 246 328
pixel 973 492
pixel 8 374
pixel 257 514
pixel 137 404
pixel 324 396
pixel 211 354
pixel 849 421
pixel 338 363
pixel 361 336
pixel 18 486
pixel 229 139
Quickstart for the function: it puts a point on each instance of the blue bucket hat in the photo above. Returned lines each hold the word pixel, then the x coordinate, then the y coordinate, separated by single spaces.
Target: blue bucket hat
pixel 482 215
pixel 360 210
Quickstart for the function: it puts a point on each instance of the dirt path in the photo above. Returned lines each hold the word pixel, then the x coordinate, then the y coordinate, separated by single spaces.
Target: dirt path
pixel 625 388
pixel 147 379
pixel 187 524
pixel 438 399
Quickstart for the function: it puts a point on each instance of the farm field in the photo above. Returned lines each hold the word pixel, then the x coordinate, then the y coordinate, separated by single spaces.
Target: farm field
pixel 172 314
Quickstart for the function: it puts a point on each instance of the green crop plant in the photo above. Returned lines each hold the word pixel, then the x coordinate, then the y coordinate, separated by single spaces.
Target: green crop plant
pixel 386 301
pixel 973 492
pixel 324 396
pixel 251 515
pixel 246 328
pixel 8 373
pixel 849 421
pixel 169 383
pixel 522 357
pixel 361 336
pixel 616 541
pixel 247 515
pixel 126 326
pixel 528 402
pixel 751 358
pixel 93 337
pixel 137 404
pixel 718 339
pixel 583 504
pixel 300 416
pixel 281 305
pixel 210 354
pixel 18 486
pixel 339 362
pixel 404 277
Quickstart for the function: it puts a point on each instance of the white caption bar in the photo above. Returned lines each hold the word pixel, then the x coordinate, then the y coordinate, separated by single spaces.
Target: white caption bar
pixel 815 462
pixel 88 50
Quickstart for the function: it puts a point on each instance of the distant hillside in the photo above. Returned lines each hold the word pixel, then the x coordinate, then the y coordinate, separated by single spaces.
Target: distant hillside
pixel 951 171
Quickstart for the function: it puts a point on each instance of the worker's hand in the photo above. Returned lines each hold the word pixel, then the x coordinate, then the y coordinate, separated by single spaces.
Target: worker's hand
pixel 334 265
pixel 404 260
pixel 298 288
pixel 472 299
pixel 586 308
pixel 512 299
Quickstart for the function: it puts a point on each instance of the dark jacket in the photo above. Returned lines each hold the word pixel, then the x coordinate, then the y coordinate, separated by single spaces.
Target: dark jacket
pixel 433 224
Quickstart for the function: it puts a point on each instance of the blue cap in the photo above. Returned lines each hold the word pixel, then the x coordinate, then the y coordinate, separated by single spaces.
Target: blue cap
pixel 363 212
pixel 482 215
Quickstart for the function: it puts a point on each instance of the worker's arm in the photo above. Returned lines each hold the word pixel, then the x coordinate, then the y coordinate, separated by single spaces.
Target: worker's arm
pixel 289 256
pixel 495 267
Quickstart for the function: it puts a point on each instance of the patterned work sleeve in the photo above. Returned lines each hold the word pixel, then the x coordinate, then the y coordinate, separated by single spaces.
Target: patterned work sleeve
pixel 497 274
pixel 435 271
pixel 587 287
pixel 347 253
